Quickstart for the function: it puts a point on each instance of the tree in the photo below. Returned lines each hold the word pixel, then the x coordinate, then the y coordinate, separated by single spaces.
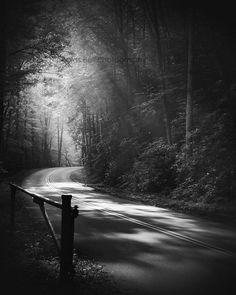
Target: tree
pixel 60 130
pixel 189 102
pixel 153 11
pixel 2 68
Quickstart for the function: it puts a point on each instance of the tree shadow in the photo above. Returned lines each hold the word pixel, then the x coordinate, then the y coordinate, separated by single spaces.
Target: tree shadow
pixel 146 257
pixel 151 260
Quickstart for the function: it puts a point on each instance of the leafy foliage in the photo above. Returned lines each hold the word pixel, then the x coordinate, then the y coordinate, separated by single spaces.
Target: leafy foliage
pixel 208 173
pixel 153 171
pixel 114 75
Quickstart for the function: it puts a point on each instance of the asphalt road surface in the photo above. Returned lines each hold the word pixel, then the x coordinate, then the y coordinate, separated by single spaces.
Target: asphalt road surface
pixel 148 250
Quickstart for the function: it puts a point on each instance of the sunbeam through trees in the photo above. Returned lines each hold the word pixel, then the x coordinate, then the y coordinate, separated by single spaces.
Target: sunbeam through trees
pixel 122 112
pixel 142 93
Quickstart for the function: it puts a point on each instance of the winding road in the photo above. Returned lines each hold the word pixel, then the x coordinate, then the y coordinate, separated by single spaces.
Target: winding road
pixel 148 250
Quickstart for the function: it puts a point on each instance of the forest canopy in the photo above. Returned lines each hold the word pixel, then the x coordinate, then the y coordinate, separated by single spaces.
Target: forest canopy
pixel 142 93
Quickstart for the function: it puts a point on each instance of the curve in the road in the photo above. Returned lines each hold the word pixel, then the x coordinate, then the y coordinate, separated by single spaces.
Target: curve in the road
pixel 49 181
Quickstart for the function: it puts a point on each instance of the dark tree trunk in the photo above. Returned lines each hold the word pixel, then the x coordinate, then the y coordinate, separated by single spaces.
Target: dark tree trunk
pixel 156 11
pixel 2 68
pixel 189 102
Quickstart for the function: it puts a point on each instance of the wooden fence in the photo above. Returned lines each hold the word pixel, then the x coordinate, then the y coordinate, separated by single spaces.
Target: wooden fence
pixel 65 245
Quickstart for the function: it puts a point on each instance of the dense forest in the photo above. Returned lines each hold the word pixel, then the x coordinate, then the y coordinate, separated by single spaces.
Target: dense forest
pixel 142 93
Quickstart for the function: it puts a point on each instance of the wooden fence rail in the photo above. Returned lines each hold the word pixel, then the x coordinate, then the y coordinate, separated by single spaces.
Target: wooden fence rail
pixel 66 244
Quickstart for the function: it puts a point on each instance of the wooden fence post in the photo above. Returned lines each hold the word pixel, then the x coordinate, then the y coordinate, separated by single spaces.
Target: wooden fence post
pixel 49 224
pixel 67 227
pixel 67 238
pixel 13 206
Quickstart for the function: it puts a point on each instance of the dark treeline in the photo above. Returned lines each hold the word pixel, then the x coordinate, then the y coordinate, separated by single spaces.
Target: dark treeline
pixel 150 97
pixel 168 117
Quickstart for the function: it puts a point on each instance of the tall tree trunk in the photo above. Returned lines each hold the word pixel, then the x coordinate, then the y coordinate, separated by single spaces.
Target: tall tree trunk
pixel 189 102
pixel 89 136
pixel 8 131
pixel 17 117
pixel 85 142
pixel 93 126
pixel 144 41
pixel 60 130
pixel 32 146
pixel 122 26
pixel 154 15
pixel 2 68
pixel 157 24
pixel 45 122
pixel 24 139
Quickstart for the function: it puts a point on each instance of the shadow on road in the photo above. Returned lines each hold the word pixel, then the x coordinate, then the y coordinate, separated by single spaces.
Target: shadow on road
pixel 145 259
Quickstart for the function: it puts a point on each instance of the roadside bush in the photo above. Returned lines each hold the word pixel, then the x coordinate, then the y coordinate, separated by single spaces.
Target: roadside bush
pixel 207 173
pixel 154 170
pixel 120 165
pixel 99 159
